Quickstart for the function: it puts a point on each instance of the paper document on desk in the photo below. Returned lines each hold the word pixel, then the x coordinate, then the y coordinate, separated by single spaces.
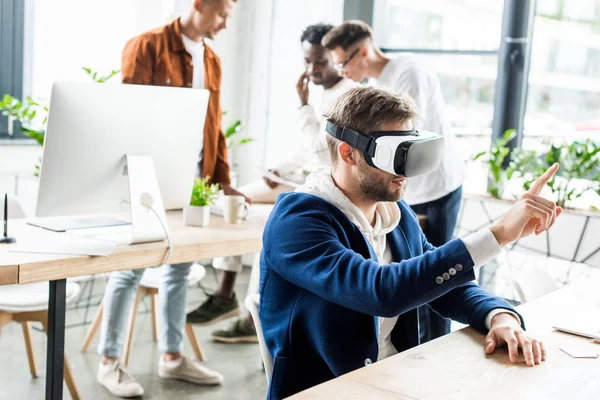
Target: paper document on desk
pixel 583 322
pixel 71 246
pixel 275 178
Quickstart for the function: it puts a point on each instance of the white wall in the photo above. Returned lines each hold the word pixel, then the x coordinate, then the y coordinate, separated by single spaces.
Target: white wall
pixel 20 159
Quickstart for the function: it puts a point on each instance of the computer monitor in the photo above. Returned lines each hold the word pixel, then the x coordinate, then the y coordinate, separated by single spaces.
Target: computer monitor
pixel 92 127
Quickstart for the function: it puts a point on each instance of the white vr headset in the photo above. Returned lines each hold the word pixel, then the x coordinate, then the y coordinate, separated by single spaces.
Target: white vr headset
pixel 406 153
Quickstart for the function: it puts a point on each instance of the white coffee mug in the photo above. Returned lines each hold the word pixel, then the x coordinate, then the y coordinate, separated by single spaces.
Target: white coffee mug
pixel 235 209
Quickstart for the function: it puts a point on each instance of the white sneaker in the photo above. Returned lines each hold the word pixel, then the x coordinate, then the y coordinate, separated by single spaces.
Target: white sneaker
pixel 188 370
pixel 114 377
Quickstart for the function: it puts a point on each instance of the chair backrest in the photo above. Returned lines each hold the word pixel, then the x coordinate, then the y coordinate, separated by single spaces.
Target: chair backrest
pixel 252 302
pixel 15 210
pixel 531 283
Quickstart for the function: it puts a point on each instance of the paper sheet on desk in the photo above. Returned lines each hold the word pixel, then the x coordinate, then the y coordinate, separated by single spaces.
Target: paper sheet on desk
pixel 75 247
pixel 277 179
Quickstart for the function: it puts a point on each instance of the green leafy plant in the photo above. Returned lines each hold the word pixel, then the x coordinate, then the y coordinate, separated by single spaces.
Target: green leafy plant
pixel 25 112
pixel 99 78
pixel 231 131
pixel 203 193
pixel 29 111
pixel 579 170
pixel 496 155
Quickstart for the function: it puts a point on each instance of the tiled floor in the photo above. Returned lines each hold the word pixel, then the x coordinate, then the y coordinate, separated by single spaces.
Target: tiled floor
pixel 240 364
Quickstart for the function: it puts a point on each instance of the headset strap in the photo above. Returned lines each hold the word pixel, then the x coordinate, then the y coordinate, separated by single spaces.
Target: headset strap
pixel 358 140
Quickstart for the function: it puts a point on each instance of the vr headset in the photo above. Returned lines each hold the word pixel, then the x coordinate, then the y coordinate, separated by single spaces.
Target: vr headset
pixel 407 153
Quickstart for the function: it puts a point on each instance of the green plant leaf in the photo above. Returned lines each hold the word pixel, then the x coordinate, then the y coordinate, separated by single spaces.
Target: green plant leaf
pixel 479 155
pixel 95 76
pixel 509 173
pixel 203 193
pixel 37 135
pixel 234 128
pixel 496 156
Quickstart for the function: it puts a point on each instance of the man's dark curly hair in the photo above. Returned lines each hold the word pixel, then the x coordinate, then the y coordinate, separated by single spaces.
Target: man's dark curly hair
pixel 314 34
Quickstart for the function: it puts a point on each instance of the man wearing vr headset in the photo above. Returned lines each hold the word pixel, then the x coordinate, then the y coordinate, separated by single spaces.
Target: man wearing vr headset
pixel 345 265
pixel 437 194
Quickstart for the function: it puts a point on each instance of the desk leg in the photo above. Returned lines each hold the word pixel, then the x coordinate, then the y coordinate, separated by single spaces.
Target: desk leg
pixel 55 360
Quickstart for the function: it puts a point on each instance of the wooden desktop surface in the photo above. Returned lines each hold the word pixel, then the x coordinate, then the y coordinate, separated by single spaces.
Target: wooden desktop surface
pixel 456 367
pixel 188 244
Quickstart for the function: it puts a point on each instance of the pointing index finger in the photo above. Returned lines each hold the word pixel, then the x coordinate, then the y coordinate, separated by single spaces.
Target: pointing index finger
pixel 539 183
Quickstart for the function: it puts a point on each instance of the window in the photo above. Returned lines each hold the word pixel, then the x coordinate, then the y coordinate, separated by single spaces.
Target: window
pixel 12 21
pixel 438 24
pixel 71 34
pixel 435 27
pixel 564 81
pixel 463 54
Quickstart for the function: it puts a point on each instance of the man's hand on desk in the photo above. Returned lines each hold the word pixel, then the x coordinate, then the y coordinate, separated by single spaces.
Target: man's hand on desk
pixel 507 330
pixel 597 341
pixel 269 182
pixel 531 213
pixel 229 191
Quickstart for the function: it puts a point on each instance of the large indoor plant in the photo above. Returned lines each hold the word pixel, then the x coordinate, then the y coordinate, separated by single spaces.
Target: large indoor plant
pixel 571 247
pixel 579 171
pixel 204 195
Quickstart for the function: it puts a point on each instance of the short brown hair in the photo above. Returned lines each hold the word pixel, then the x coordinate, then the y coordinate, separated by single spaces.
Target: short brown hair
pixel 365 109
pixel 346 35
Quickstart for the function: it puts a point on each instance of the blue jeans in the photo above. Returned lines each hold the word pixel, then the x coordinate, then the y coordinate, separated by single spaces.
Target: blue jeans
pixel 118 297
pixel 441 222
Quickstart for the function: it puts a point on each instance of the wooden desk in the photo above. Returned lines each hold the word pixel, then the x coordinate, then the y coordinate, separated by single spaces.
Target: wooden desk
pixel 456 367
pixel 188 244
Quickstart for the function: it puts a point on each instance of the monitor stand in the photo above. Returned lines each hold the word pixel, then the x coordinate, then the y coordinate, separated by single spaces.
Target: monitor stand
pixel 148 217
pixel 146 210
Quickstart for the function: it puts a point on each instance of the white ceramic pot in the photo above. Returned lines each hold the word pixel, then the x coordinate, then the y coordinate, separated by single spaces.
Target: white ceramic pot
pixel 196 216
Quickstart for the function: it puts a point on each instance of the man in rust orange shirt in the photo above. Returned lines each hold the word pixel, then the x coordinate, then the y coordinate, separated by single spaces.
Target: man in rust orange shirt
pixel 173 55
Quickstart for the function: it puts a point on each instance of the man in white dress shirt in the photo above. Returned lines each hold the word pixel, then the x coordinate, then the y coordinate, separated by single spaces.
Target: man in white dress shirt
pixel 438 194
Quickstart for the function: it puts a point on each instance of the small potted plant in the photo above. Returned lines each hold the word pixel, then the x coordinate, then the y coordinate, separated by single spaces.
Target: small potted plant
pixel 203 197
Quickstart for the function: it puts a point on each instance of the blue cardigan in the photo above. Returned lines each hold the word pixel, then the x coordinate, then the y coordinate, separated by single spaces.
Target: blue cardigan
pixel 321 288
